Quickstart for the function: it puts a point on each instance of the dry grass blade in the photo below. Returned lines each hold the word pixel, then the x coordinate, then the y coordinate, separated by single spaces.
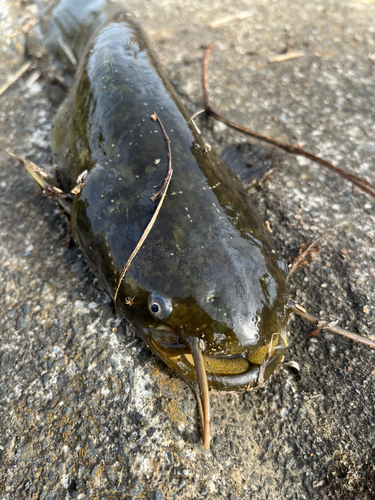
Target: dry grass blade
pixel 47 182
pixel 220 21
pixel 162 192
pixel 35 75
pixel 68 51
pixel 285 57
pixel 362 184
pixel 13 78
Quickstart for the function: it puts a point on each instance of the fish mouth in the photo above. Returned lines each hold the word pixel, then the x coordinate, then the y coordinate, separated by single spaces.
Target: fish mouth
pixel 227 373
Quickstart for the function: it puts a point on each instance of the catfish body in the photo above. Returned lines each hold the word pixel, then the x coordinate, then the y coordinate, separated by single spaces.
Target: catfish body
pixel 208 272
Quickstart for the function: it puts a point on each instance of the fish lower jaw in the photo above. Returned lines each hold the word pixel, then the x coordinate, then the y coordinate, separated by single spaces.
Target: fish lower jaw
pixel 228 373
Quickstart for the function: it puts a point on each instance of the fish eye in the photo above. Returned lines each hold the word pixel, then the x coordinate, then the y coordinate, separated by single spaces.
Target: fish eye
pixel 159 306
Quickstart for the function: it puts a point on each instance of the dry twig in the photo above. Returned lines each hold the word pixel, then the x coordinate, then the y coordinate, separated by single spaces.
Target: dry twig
pixel 332 327
pixel 362 184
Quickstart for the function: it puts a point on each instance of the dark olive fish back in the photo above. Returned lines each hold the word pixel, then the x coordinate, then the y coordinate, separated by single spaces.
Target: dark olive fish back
pixel 208 268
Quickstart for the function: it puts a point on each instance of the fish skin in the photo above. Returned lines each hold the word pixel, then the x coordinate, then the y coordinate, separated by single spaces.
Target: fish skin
pixel 208 250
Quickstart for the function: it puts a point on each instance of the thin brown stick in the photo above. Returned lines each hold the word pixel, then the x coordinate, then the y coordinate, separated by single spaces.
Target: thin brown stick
pixel 146 232
pixel 362 184
pixel 329 326
pixel 301 257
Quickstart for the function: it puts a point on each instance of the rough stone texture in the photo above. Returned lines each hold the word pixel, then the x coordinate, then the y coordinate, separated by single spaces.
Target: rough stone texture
pixel 86 410
pixel 12 40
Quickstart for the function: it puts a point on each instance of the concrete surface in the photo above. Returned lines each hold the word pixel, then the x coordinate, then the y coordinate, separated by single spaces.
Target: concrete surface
pixel 85 410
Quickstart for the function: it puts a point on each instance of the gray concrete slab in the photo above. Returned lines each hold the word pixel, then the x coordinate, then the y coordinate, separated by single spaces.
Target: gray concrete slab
pixel 86 410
